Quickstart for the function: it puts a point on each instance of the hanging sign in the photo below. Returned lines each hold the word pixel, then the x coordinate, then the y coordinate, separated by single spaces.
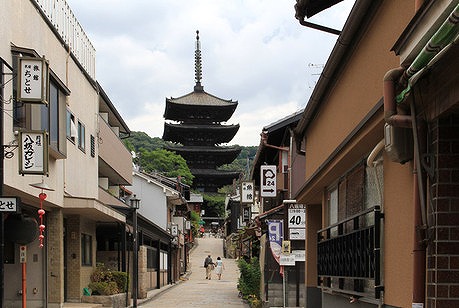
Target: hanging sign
pixel 33 75
pixel 33 152
pixel 275 233
pixel 268 181
pixel 247 192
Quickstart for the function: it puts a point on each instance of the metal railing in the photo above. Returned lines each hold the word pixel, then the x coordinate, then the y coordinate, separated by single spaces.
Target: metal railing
pixel 61 17
pixel 349 255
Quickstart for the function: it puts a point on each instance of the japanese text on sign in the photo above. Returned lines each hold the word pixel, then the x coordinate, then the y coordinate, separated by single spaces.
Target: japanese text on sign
pixel 32 79
pixel 247 192
pixel 296 216
pixel 32 150
pixel 8 204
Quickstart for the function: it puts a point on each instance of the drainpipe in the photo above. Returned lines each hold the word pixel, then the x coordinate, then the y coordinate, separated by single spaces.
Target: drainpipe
pixel 393 118
pixel 264 140
pixel 391 115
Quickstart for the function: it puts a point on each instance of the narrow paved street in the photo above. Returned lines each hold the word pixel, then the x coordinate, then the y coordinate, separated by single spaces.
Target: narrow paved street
pixel 198 291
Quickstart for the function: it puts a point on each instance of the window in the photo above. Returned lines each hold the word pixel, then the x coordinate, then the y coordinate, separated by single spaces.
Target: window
pixel 86 249
pixel 81 136
pixel 71 131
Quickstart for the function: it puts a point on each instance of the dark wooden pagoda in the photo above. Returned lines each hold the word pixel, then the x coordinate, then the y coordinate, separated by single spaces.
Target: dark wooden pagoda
pixel 194 124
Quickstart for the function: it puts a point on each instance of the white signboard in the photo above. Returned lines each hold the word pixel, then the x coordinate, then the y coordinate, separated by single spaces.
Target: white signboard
pixel 32 81
pixel 297 234
pixel 174 230
pixel 296 216
pixel 268 181
pixel 8 204
pixel 287 259
pixel 247 192
pixel 300 255
pixel 33 149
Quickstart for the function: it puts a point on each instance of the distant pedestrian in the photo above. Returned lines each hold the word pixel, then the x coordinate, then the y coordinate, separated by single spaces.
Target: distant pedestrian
pixel 209 265
pixel 219 267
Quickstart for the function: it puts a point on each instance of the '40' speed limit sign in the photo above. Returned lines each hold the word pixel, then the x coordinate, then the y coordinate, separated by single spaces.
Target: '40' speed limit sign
pixel 296 216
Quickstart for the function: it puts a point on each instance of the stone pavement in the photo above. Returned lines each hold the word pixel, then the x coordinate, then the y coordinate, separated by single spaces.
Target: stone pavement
pixel 195 290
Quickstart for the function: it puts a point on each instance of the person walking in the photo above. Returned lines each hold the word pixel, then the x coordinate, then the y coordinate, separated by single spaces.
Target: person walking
pixel 219 267
pixel 209 265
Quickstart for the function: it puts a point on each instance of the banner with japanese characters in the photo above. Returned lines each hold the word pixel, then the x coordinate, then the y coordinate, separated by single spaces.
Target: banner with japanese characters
pixel 33 152
pixel 276 236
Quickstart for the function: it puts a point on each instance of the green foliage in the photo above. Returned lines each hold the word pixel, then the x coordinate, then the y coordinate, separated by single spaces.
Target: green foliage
pixel 243 163
pixel 166 163
pixel 103 288
pixel 214 205
pixel 195 218
pixel 107 282
pixel 249 281
pixel 141 141
pixel 152 157
pixel 121 279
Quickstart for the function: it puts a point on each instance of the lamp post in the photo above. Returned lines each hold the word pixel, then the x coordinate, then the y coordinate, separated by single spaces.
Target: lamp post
pixel 135 204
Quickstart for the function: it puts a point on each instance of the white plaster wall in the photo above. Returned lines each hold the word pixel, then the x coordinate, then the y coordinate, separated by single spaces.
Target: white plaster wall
pixel 153 204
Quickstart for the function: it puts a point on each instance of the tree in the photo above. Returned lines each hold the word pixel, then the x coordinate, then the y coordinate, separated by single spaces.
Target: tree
pixel 165 162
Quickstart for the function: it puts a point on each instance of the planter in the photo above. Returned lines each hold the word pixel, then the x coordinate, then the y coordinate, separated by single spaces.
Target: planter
pixel 115 300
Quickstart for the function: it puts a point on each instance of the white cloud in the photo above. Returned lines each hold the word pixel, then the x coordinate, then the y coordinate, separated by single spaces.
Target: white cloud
pixel 253 51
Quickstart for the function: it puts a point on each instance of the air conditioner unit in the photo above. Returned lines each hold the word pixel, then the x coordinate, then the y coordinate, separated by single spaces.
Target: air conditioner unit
pixel 398 143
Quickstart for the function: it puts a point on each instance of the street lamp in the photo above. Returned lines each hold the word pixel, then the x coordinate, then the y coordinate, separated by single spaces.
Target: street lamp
pixel 135 204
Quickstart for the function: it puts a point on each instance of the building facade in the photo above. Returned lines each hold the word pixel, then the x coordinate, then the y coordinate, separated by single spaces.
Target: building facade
pixel 81 179
pixel 378 136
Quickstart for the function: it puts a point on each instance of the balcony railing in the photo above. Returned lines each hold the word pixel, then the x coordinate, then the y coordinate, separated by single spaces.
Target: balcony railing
pixel 61 17
pixel 349 255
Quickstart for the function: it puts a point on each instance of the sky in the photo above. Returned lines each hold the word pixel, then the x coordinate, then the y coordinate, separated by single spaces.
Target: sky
pixel 253 51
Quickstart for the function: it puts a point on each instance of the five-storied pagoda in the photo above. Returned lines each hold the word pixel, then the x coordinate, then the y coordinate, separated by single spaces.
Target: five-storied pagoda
pixel 194 124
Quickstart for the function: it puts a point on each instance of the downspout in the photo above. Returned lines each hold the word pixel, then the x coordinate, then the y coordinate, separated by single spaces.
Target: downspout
pixel 391 117
pixel 264 141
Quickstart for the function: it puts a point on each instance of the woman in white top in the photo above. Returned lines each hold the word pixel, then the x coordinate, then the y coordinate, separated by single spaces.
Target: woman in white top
pixel 219 267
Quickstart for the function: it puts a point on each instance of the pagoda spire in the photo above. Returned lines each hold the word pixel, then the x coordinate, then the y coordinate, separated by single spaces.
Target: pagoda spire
pixel 198 65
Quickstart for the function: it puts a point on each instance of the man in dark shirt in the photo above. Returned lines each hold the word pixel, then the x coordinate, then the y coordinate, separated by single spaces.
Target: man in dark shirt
pixel 209 265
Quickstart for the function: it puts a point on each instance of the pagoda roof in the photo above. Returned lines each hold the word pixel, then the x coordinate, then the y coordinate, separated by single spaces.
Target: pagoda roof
pixel 215 156
pixel 214 173
pixel 210 180
pixel 199 133
pixel 199 105
pixel 220 151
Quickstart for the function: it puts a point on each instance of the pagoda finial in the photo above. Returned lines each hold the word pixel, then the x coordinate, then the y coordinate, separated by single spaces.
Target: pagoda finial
pixel 198 65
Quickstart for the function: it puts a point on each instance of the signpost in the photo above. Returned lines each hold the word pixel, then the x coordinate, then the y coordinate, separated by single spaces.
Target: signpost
pixel 268 181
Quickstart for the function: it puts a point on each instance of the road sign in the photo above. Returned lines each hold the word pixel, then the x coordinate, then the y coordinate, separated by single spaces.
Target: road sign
pixel 296 215
pixel 268 181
